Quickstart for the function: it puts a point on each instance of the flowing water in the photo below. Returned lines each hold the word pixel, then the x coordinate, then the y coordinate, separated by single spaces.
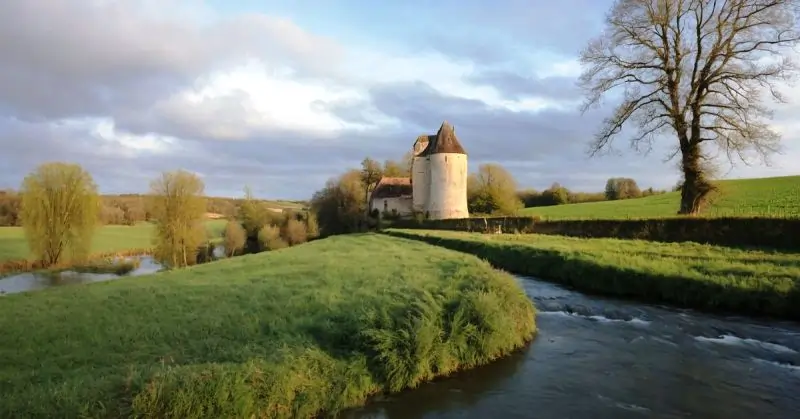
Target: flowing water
pixel 600 358
pixel 31 281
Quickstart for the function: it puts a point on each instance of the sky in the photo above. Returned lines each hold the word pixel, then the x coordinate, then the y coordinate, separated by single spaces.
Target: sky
pixel 283 95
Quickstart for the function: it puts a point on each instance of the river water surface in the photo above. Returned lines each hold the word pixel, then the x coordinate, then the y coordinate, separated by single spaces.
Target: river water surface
pixel 600 358
pixel 32 281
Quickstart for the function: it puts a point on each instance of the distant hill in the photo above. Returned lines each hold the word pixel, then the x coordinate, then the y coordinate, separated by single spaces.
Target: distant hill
pixel 765 197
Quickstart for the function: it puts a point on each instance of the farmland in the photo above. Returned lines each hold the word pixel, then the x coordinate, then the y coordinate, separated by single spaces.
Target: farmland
pixel 293 332
pixel 109 238
pixel 770 197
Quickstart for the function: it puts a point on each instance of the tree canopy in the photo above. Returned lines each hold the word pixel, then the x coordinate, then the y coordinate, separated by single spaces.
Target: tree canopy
pixel 59 211
pixel 178 208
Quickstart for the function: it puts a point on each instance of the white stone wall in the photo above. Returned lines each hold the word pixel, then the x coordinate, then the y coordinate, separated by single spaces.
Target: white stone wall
pixel 448 186
pixel 400 204
pixel 420 182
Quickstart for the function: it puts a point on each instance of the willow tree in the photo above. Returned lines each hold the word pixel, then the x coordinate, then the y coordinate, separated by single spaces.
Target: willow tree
pixel 59 211
pixel 493 190
pixel 695 69
pixel 178 208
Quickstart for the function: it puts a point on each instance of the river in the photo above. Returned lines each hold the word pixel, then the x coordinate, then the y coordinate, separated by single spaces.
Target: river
pixel 32 281
pixel 600 358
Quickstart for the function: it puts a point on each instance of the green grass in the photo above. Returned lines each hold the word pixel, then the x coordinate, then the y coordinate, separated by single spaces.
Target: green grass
pixel 766 197
pixel 110 238
pixel 215 228
pixel 288 333
pixel 690 275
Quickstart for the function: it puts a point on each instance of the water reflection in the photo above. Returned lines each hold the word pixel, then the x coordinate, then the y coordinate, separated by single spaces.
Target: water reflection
pixel 31 281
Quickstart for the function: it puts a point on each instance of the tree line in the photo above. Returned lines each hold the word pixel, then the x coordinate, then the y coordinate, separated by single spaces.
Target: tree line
pixel 128 209
pixel 59 208
pixel 341 205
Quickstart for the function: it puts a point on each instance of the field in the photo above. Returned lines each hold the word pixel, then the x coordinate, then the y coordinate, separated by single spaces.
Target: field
pixel 772 197
pixel 287 333
pixel 111 238
pixel 684 274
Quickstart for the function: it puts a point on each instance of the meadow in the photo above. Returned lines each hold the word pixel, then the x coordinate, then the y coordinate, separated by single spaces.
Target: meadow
pixel 713 278
pixel 288 333
pixel 765 197
pixel 108 239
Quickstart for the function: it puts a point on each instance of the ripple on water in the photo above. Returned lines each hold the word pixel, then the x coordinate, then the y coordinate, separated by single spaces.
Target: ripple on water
pixel 604 358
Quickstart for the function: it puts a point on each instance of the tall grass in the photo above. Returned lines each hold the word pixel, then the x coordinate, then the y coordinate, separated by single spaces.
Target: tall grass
pixel 763 197
pixel 314 328
pixel 689 275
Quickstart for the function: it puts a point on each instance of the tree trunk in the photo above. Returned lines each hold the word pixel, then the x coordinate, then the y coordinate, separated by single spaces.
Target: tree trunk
pixel 695 187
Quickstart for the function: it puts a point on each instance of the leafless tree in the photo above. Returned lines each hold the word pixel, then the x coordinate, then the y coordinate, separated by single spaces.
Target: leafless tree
pixel 696 69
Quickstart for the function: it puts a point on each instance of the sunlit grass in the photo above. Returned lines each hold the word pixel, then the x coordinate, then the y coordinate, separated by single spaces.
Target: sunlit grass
pixel 107 239
pixel 764 197
pixel 685 274
pixel 288 333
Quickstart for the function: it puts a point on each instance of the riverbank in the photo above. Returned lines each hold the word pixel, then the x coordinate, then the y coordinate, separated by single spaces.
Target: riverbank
pixel 109 262
pixel 289 333
pixel 690 275
pixel 110 241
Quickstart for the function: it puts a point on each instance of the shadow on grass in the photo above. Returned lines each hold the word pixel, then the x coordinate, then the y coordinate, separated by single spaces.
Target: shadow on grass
pixel 580 272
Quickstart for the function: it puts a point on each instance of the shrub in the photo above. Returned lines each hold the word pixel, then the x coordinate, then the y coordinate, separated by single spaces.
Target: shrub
pixel 270 238
pixel 234 238
pixel 312 227
pixel 294 232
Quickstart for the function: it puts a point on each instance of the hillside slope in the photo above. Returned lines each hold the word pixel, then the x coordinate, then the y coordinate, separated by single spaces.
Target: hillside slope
pixel 765 197
pixel 288 333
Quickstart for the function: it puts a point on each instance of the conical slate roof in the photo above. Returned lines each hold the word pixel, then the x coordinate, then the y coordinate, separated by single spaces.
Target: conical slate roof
pixel 444 141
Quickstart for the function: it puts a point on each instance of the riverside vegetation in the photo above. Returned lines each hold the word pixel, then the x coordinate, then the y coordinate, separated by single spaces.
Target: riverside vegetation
pixel 294 332
pixel 756 282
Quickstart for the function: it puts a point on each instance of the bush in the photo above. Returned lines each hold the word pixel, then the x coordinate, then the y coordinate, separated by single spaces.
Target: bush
pixel 234 238
pixel 294 232
pixel 312 227
pixel 270 238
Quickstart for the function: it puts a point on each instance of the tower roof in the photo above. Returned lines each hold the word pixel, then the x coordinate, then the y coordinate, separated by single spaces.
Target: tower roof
pixel 422 144
pixel 444 141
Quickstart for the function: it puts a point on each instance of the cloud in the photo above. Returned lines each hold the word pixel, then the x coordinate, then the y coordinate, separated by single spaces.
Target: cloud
pixel 80 58
pixel 283 101
pixel 514 86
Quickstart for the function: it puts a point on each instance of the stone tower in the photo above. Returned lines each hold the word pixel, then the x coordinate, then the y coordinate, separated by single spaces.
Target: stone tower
pixel 439 175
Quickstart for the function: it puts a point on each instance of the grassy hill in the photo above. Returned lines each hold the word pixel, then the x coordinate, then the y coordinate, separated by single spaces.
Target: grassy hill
pixel 767 197
pixel 287 333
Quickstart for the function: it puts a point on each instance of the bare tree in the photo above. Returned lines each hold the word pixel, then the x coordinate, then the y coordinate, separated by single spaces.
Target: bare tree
pixel 695 68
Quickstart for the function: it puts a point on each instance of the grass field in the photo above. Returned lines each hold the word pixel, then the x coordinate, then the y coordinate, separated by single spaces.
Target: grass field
pixel 684 274
pixel 288 333
pixel 111 238
pixel 773 197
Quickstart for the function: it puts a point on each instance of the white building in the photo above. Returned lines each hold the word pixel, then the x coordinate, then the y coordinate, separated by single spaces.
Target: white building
pixel 437 188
